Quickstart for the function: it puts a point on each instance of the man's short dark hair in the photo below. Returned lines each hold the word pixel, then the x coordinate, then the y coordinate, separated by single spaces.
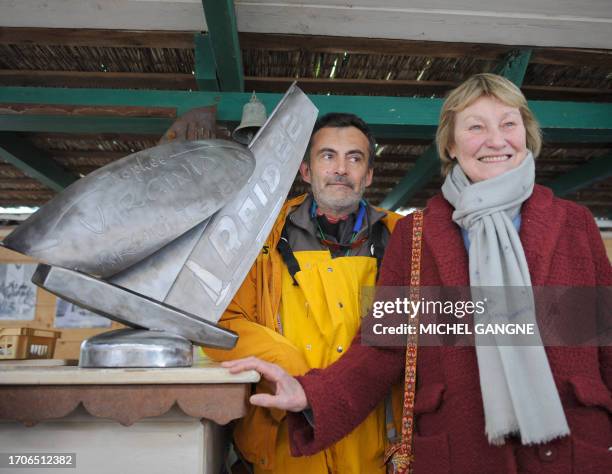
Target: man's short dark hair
pixel 341 120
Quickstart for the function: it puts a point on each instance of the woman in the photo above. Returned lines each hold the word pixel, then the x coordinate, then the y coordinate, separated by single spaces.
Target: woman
pixel 479 410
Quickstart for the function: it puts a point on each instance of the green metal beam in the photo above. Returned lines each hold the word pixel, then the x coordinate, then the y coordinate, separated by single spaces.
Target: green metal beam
pixel 223 32
pixel 157 126
pixel 34 162
pixel 595 170
pixel 513 67
pixel 390 117
pixel 84 124
pixel 556 115
pixel 564 135
pixel 416 178
pixel 205 66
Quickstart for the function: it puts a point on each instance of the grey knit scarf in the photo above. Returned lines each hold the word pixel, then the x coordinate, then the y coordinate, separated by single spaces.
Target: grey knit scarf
pixel 516 382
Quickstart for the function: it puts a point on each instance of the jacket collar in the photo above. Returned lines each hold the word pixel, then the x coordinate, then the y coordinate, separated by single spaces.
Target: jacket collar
pixel 442 237
pixel 542 220
pixel 541 225
pixel 300 217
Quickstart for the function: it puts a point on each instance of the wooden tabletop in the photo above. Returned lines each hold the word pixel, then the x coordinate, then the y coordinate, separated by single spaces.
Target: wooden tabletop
pixel 203 372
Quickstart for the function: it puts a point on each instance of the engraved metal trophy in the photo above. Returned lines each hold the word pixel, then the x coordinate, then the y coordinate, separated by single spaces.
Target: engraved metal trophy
pixel 162 239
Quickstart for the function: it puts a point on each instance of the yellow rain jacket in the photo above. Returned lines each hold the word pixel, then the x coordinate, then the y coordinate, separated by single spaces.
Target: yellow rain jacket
pixel 311 326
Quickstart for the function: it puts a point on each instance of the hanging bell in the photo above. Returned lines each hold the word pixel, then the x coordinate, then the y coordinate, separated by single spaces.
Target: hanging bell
pixel 253 117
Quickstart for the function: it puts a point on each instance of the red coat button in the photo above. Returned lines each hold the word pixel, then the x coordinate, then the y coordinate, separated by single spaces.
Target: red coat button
pixel 547 453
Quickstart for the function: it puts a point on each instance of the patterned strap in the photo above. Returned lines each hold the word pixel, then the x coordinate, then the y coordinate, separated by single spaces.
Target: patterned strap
pixel 411 347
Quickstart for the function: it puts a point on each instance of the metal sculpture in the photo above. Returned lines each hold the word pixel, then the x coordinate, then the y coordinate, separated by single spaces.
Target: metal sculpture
pixel 163 238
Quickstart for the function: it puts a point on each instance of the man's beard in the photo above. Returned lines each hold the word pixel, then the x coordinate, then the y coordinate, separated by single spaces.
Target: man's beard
pixel 339 204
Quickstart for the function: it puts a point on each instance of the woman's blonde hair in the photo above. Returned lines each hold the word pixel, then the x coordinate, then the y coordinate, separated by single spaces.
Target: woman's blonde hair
pixel 479 85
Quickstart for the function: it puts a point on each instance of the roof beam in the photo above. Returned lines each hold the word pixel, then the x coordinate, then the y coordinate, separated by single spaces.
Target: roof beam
pixel 512 67
pixel 84 124
pixel 34 162
pixel 96 38
pixel 205 66
pixel 390 117
pixel 223 32
pixel 544 23
pixel 414 180
pixel 595 170
pixel 388 114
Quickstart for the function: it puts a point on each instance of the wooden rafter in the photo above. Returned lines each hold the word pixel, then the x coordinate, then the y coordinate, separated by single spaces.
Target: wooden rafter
pixel 97 38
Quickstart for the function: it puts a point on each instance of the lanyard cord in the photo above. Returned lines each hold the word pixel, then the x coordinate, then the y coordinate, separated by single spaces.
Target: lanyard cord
pixel 353 242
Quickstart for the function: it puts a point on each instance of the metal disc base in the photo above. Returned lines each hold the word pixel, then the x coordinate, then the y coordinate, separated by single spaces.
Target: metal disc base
pixel 136 348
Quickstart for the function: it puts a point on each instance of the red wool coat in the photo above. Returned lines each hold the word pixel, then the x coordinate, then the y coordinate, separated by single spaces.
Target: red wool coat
pixel 563 247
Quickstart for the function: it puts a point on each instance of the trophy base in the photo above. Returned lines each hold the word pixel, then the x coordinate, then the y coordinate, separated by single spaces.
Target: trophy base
pixel 136 348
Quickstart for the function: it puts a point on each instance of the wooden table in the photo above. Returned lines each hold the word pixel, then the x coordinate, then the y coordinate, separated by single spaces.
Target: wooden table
pixel 122 420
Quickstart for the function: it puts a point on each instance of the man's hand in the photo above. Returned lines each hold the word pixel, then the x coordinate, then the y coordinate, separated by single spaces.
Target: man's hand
pixel 289 394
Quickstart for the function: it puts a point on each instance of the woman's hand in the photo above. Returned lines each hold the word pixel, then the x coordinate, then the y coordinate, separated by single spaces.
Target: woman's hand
pixel 289 394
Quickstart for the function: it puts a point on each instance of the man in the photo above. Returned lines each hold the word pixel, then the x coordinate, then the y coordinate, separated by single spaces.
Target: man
pixel 299 305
